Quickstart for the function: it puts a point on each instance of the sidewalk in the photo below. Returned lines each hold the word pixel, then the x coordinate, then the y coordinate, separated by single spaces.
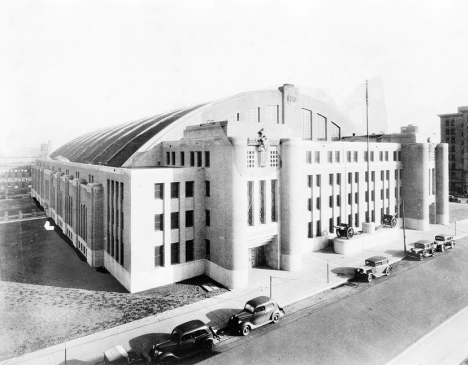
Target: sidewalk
pixel 288 288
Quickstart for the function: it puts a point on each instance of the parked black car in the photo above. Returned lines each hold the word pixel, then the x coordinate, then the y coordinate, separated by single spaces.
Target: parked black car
pixel 117 355
pixel 186 339
pixel 344 230
pixel 421 249
pixel 257 312
pixel 443 241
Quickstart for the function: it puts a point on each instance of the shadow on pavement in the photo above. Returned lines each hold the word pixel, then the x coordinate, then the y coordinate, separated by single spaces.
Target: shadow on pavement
pixel 343 271
pixel 396 253
pixel 220 317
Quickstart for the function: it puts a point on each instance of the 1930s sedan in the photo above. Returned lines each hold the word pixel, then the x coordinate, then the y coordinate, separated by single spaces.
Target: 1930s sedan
pixel 443 241
pixel 257 312
pixel 374 267
pixel 421 249
pixel 186 339
pixel 117 355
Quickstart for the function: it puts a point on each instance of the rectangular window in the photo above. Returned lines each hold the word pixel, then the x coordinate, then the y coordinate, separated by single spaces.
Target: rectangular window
pixel 168 158
pixel 356 218
pixel 175 253
pixel 367 176
pixel 309 204
pixel 388 174
pixel 199 159
pixel 399 155
pixel 308 157
pixel 182 158
pixel 372 156
pixel 373 195
pixel 317 156
pixel 330 225
pixel 317 180
pixel 273 201
pixel 350 177
pixel 330 156
pixel 309 229
pixel 394 155
pixel 272 114
pixel 250 159
pixel 348 156
pixel 253 115
pixel 386 155
pixel 338 200
pixel 330 179
pixel 262 201
pixel 250 203
pixel 189 218
pixel 356 197
pixel 356 177
pixel 189 251
pixel 159 256
pixel 159 222
pixel 330 201
pixel 207 249
pixel 274 158
pixel 337 156
pixel 174 190
pixel 382 194
pixel 355 156
pixel 309 181
pixel 387 193
pixel 321 128
pixel 189 189
pixel 192 158
pixel 173 158
pixel 365 156
pixel 175 220
pixel 382 175
pixel 306 124
pixel 372 175
pixel 318 227
pixel 381 156
pixel 207 188
pixel 207 218
pixel 207 159
pixel 317 204
pixel 367 196
pixel 338 179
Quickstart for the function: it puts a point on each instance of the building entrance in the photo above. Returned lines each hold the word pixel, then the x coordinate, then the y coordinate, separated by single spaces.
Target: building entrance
pixel 257 256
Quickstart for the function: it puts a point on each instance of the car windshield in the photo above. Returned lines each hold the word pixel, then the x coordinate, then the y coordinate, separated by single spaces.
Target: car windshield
pixel 440 238
pixel 370 263
pixel 175 336
pixel 420 245
pixel 249 308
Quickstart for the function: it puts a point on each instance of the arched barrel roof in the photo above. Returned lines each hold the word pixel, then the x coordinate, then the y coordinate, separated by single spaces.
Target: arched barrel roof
pixel 112 146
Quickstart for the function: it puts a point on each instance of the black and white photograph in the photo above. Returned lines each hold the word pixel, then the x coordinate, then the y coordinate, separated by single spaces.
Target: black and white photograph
pixel 233 182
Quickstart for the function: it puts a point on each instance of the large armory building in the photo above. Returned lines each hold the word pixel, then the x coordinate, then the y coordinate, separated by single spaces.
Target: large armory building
pixel 259 178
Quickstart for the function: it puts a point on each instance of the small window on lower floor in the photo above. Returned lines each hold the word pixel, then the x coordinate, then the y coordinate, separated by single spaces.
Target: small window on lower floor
pixel 175 253
pixel 159 256
pixel 207 249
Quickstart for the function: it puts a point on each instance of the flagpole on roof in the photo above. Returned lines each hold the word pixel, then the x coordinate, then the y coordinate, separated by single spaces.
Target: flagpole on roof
pixel 368 156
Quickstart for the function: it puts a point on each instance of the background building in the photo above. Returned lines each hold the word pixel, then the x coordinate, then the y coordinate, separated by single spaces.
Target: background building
pixel 452 130
pixel 15 177
pixel 255 179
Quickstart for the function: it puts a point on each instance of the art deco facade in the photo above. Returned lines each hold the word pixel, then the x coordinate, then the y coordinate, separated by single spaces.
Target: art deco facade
pixel 259 178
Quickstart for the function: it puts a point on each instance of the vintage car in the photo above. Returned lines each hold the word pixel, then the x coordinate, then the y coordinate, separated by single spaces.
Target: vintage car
pixel 374 267
pixel 421 249
pixel 453 199
pixel 344 230
pixel 186 339
pixel 256 313
pixel 389 220
pixel 119 356
pixel 443 241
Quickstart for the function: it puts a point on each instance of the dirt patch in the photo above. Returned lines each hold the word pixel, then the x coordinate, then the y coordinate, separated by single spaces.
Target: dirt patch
pixel 35 317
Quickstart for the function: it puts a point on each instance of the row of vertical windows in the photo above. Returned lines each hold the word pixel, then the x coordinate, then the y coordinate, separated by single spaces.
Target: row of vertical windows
pixel 115 220
pixel 351 156
pixel 253 115
pixel 159 190
pixel 196 158
pixel 175 224
pixel 175 253
pixel 261 202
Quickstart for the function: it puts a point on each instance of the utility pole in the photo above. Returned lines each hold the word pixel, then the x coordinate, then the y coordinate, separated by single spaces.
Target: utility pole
pixel 368 156
pixel 404 231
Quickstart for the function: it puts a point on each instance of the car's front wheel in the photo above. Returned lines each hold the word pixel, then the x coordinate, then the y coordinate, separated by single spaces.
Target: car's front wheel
pixel 276 317
pixel 369 278
pixel 245 330
pixel 388 270
pixel 442 248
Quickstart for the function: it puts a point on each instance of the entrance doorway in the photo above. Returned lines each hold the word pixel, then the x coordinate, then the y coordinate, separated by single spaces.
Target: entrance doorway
pixel 257 256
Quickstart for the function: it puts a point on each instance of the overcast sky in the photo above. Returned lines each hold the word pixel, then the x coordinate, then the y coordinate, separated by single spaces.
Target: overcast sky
pixel 68 67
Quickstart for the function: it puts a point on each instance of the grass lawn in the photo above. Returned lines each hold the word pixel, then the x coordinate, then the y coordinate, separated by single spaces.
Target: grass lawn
pixel 49 294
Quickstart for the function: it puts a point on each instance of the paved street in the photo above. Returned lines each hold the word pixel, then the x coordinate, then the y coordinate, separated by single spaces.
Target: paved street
pixel 370 327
